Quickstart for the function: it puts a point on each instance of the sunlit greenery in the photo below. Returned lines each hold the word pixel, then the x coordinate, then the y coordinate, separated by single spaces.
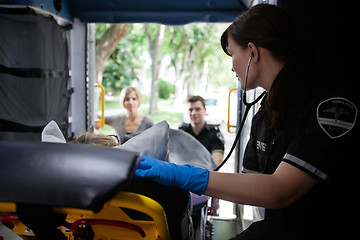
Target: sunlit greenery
pixel 194 49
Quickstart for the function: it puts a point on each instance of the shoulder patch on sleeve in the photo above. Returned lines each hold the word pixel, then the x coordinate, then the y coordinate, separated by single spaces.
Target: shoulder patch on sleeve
pixel 220 137
pixel 336 116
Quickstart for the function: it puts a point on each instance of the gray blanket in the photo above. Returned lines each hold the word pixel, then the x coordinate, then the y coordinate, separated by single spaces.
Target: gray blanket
pixel 159 142
pixel 171 145
pixel 185 149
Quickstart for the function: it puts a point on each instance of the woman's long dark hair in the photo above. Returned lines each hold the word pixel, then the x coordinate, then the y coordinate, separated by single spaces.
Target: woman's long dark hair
pixel 269 27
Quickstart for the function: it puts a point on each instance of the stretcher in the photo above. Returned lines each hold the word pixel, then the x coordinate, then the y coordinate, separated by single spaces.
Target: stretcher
pixel 87 191
pixel 73 191
pixel 114 221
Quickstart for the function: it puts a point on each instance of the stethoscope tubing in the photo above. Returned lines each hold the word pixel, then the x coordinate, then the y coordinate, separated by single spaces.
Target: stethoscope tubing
pixel 248 106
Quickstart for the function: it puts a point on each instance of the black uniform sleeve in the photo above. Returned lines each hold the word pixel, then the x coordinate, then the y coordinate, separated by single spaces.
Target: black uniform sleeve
pixel 217 142
pixel 321 147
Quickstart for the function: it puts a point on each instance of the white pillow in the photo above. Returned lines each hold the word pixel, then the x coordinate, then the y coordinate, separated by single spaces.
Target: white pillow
pixel 52 133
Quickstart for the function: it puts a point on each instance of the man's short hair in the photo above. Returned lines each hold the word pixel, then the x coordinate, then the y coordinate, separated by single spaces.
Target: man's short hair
pixel 196 98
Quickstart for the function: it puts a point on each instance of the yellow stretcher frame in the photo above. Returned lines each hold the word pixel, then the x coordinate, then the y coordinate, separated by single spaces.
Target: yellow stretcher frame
pixel 154 228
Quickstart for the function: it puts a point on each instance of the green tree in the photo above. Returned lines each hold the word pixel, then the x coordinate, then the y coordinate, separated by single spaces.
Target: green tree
pixel 107 38
pixel 155 35
pixel 124 64
pixel 179 50
pixel 165 89
pixel 194 51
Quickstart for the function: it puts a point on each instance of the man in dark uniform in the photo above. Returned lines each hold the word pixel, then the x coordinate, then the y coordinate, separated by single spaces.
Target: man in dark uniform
pixel 208 135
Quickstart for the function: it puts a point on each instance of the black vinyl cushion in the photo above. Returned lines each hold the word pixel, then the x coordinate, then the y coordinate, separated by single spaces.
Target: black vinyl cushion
pixel 63 175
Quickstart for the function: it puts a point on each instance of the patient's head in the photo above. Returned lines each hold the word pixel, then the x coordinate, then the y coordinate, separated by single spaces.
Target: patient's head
pixel 96 140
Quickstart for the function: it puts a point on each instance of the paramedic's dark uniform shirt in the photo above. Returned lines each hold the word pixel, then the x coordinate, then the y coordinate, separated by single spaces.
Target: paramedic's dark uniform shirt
pixel 315 137
pixel 210 137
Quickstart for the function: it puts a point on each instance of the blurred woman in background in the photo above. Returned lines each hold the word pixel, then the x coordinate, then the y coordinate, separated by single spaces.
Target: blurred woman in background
pixel 133 122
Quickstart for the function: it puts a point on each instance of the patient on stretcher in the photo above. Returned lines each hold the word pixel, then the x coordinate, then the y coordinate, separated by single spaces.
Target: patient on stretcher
pixel 158 142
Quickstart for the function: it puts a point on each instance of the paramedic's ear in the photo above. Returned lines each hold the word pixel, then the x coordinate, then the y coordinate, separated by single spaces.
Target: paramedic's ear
pixel 254 52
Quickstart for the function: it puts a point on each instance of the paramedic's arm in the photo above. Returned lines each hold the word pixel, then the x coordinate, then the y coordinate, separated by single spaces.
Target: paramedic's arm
pixel 278 190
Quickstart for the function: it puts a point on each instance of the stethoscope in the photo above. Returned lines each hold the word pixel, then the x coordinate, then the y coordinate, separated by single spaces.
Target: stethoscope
pixel 248 106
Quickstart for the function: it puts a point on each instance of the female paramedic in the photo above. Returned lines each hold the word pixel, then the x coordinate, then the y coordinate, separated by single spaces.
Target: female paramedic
pixel 297 139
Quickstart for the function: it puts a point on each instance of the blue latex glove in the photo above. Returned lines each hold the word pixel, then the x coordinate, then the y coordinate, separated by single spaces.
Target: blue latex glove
pixel 187 177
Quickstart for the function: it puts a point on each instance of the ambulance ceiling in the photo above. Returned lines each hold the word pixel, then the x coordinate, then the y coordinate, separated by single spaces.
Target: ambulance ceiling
pixel 172 12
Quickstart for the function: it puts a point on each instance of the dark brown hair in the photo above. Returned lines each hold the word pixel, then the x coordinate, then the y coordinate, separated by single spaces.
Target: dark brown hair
pixel 266 26
pixel 269 27
pixel 196 98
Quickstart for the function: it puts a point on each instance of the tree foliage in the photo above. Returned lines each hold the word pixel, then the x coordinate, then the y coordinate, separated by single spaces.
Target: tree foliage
pixel 155 36
pixel 196 59
pixel 124 63
pixel 165 89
